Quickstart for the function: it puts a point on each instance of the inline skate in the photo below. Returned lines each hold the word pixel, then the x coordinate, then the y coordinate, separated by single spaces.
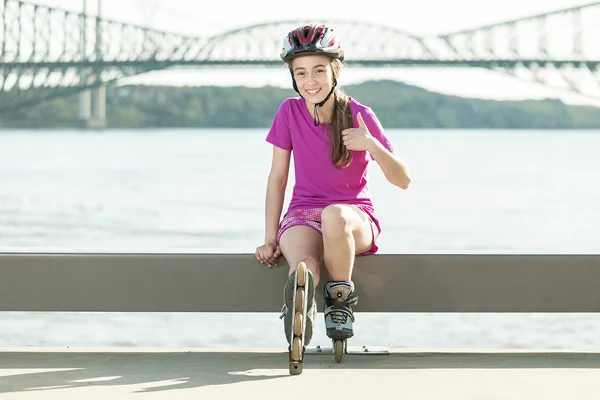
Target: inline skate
pixel 339 314
pixel 299 312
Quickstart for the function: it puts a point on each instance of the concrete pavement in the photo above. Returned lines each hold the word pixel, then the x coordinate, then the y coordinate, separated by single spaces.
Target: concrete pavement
pixel 31 373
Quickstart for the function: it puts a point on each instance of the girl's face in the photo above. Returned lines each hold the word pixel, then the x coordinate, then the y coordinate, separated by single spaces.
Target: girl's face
pixel 313 76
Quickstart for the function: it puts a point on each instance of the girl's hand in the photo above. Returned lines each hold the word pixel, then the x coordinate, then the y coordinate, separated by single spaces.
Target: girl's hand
pixel 268 254
pixel 358 138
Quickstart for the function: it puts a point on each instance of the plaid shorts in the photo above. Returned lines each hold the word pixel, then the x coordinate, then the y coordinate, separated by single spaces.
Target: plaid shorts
pixel 312 217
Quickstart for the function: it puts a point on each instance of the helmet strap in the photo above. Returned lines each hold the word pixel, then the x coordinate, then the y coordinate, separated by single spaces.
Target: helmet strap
pixel 294 85
pixel 316 117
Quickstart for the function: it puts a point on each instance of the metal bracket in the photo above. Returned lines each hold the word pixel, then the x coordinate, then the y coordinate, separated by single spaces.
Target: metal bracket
pixel 354 350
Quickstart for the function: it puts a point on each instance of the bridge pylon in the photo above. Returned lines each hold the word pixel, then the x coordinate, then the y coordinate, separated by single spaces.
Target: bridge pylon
pixel 92 101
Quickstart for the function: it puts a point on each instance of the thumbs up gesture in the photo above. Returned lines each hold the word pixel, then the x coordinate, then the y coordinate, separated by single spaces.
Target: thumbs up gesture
pixel 358 138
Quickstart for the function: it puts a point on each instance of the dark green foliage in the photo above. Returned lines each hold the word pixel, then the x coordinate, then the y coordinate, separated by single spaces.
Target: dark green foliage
pixel 397 105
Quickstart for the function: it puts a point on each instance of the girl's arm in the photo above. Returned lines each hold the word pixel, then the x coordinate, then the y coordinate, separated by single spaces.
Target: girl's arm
pixel 276 185
pixel 393 167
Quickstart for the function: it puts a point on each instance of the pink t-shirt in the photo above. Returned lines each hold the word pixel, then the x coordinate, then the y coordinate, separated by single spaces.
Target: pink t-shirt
pixel 318 182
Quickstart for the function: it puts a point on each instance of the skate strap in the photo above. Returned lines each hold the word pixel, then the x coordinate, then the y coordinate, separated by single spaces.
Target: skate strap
pixel 349 302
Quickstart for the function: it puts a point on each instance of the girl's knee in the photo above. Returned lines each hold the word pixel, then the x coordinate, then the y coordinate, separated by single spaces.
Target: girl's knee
pixel 335 220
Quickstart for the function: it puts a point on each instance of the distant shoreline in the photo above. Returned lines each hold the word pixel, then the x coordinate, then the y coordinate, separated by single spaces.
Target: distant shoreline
pixel 397 105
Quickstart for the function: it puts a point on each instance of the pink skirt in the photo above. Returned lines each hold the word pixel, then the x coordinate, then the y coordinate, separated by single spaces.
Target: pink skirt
pixel 312 217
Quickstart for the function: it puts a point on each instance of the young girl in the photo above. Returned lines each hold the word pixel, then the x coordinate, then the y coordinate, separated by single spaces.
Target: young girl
pixel 330 217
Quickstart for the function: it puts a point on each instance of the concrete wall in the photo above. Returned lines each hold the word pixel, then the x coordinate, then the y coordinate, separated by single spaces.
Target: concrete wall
pixel 238 283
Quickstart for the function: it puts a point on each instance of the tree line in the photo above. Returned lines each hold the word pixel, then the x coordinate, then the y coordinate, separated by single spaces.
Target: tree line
pixel 396 104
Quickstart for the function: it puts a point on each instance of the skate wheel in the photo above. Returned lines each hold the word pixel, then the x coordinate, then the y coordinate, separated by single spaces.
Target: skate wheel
pixel 338 349
pixel 300 294
pixel 295 368
pixel 298 328
pixel 301 274
pixel 296 349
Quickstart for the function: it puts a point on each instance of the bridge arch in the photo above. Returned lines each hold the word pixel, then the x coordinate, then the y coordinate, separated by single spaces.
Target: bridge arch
pixel 362 40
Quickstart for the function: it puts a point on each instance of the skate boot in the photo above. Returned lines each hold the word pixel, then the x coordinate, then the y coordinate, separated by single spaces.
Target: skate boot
pixel 299 312
pixel 339 314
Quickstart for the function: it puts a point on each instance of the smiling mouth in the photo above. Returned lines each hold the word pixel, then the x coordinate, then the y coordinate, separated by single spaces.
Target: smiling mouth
pixel 312 92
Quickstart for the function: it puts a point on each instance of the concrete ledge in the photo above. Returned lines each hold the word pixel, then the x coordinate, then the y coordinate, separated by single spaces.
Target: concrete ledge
pixel 237 283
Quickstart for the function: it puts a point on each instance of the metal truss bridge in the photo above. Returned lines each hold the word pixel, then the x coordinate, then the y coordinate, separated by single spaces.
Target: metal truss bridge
pixel 47 52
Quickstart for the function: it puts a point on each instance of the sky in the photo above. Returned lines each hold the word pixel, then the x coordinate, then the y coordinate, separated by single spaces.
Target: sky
pixel 423 17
